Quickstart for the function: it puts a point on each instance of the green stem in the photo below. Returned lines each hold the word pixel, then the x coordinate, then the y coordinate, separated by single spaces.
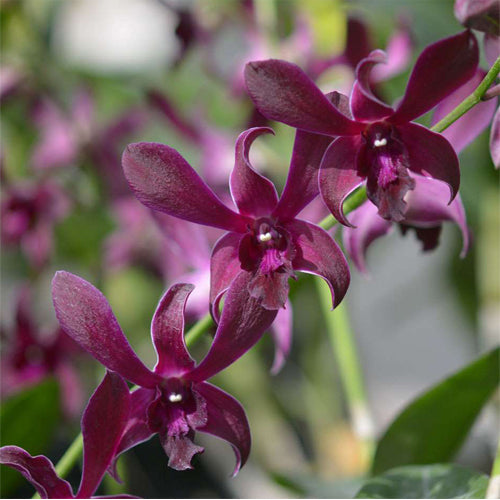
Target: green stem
pixel 470 101
pixel 68 460
pixel 494 484
pixel 354 201
pixel 345 352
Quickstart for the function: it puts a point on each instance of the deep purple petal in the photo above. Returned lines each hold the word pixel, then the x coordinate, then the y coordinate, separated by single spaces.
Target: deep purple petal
pixel 39 471
pixel 242 324
pixel 271 288
pixel 86 316
pixel 431 155
pixel 317 253
pixel 253 194
pixel 364 105
pixel 103 423
pixel 302 182
pixel 440 69
pixel 164 181
pixel 338 175
pixel 428 207
pixel 167 330
pixel 369 227
pixel 469 126
pixel 281 91
pixel 180 450
pixel 358 41
pixel 224 266
pixel 495 139
pixel 137 429
pixel 281 332
pixel 226 420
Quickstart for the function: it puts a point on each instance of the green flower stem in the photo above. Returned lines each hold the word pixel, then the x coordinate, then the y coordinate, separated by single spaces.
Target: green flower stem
pixel 354 201
pixel 470 101
pixel 68 460
pixel 344 350
pixel 494 484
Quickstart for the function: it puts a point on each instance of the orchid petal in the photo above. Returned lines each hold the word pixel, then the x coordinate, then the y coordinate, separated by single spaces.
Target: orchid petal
pixel 431 155
pixel 495 139
pixel 428 206
pixel 180 450
pixel 440 69
pixel 364 105
pixel 242 324
pixel 226 420
pixel 281 91
pixel 167 330
pixel 224 266
pixel 491 45
pixel 369 227
pixel 338 175
pixel 164 181
pixel 481 15
pixel 461 133
pixel 86 316
pixel 103 423
pixel 281 332
pixel 358 42
pixel 253 194
pixel 39 471
pixel 302 183
pixel 317 253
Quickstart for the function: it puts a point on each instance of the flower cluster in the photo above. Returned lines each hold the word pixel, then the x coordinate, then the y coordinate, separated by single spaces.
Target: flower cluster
pixel 250 244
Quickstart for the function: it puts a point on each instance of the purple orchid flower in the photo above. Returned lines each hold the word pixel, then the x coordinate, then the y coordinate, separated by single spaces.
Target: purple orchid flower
pixel 103 423
pixel 427 209
pixel 265 241
pixel 30 356
pixel 29 213
pixel 173 400
pixel 481 15
pixel 381 144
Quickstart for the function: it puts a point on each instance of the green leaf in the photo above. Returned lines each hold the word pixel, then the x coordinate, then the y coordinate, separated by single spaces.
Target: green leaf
pixel 433 426
pixel 28 419
pixel 426 481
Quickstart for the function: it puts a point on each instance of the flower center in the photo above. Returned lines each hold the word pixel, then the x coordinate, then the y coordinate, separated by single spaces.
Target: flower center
pixel 175 397
pixel 267 235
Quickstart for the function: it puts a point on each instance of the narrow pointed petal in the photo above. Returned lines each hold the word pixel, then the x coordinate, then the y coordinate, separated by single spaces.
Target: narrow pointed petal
pixel 495 139
pixel 242 324
pixel 369 227
pixel 163 180
pixel 338 175
pixel 281 91
pixel 364 105
pixel 431 155
pixel 317 253
pixel 86 316
pixel 137 429
pixel 226 420
pixel 302 182
pixel 224 266
pixel 440 69
pixel 461 133
pixel 358 41
pixel 103 423
pixel 281 332
pixel 167 330
pixel 253 194
pixel 428 207
pixel 39 471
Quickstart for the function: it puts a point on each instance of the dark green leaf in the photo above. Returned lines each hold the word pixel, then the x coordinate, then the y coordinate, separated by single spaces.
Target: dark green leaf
pixel 433 426
pixel 28 420
pixel 426 481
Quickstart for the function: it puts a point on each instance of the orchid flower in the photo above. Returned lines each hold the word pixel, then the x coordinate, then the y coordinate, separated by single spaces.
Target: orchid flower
pixel 481 15
pixel 31 355
pixel 380 145
pixel 174 400
pixel 103 424
pixel 265 242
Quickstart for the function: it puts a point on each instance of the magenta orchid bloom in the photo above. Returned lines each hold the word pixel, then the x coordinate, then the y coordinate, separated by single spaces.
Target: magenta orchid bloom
pixel 173 400
pixel 31 355
pixel 103 424
pixel 427 209
pixel 265 242
pixel 380 145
